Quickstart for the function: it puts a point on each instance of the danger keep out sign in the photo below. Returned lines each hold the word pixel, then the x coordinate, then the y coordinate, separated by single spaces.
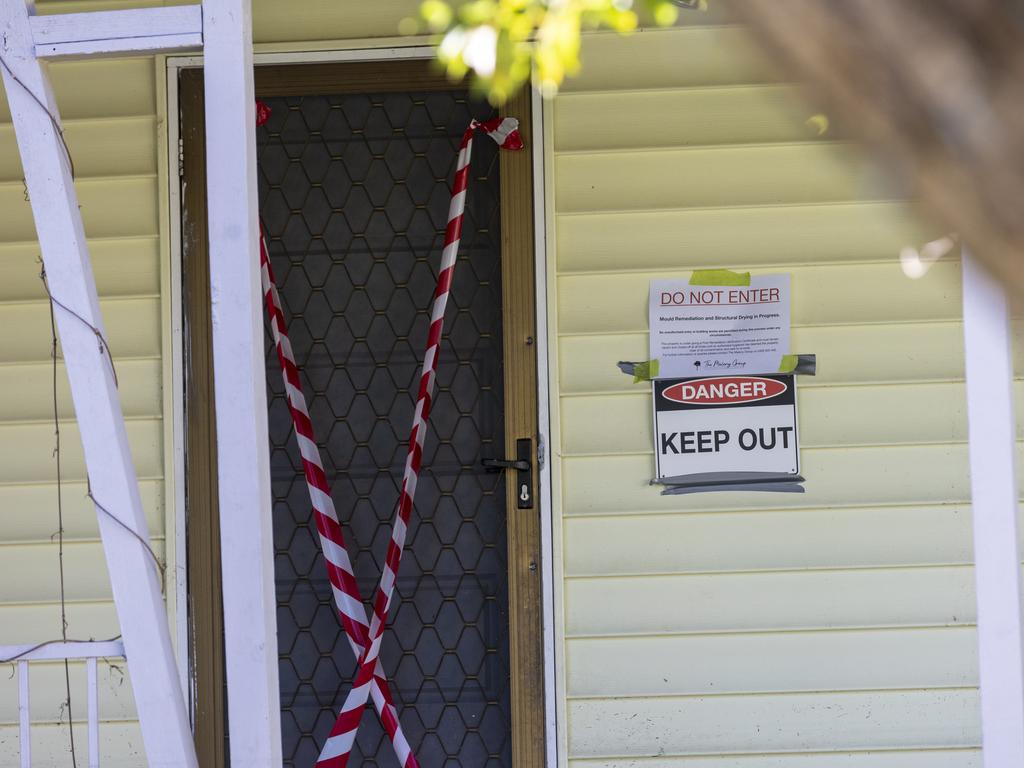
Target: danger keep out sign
pixel 725 424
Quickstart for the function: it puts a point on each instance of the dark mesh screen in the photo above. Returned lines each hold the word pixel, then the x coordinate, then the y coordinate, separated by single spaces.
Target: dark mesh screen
pixel 354 194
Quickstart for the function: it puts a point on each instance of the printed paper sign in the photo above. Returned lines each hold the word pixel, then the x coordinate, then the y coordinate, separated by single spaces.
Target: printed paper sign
pixel 725 425
pixel 716 329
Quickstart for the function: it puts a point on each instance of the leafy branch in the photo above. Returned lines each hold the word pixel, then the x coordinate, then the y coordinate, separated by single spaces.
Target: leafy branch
pixel 500 42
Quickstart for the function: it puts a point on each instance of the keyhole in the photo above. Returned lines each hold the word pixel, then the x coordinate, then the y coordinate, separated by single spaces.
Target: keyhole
pixel 524 492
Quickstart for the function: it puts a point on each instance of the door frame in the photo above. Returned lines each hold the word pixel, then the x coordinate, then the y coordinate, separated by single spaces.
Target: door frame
pixel 532 191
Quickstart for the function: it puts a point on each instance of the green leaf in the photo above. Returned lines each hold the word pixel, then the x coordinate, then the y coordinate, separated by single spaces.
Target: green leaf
pixel 502 41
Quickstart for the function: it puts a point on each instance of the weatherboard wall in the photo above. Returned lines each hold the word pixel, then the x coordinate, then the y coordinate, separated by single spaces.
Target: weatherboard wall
pixel 831 629
pixel 754 630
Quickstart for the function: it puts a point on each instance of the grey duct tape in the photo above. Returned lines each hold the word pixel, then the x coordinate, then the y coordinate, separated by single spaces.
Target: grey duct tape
pixel 627 367
pixel 640 371
pixel 679 490
pixel 717 478
pixel 804 364
pixel 730 481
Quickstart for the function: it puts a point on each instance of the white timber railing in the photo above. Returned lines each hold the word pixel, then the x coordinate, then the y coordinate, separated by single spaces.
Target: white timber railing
pixel 90 653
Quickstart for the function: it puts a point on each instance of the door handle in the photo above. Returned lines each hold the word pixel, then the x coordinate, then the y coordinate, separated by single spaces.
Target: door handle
pixel 523 465
pixel 499 464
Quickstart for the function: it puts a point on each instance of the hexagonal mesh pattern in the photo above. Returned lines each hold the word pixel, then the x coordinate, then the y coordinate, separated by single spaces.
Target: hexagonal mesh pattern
pixel 354 195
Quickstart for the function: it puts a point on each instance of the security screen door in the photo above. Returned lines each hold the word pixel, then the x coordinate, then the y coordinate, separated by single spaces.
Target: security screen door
pixel 354 167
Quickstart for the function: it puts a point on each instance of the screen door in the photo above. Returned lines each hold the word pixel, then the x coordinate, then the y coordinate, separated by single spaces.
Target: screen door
pixel 354 199
pixel 354 168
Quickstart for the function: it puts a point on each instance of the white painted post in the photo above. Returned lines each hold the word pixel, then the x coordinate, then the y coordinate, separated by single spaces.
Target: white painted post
pixel 93 696
pixel 992 432
pixel 24 716
pixel 247 552
pixel 133 576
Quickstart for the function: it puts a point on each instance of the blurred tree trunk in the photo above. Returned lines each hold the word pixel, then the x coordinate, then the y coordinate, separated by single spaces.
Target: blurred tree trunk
pixel 935 87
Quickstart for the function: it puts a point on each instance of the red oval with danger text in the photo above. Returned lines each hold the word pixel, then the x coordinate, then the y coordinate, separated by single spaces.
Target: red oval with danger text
pixel 724 390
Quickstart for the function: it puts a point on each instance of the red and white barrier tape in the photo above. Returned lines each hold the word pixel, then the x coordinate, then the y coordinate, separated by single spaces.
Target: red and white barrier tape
pixel 339 568
pixel 332 541
pixel 338 747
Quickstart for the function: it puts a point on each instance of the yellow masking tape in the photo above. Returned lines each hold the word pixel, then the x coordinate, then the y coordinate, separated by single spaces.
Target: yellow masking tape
pixel 645 371
pixel 788 363
pixel 719 277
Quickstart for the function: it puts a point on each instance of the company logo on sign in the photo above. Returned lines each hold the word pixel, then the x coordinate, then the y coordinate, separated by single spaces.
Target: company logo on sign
pixel 724 390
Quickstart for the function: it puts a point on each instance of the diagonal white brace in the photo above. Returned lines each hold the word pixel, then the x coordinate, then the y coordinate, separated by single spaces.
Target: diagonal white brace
pixel 133 30
pixel 134 580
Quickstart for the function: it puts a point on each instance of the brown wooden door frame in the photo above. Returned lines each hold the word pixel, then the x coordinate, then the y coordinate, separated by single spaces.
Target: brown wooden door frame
pixel 520 378
pixel 202 526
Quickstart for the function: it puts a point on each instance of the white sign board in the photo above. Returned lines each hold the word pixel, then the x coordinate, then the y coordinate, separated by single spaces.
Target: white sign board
pixel 727 427
pixel 715 329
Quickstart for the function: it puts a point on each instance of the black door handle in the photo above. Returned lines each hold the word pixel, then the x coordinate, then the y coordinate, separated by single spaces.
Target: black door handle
pixel 523 464
pixel 499 464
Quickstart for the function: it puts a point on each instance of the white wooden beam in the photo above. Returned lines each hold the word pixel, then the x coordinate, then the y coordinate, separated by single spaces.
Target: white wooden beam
pixel 136 30
pixel 73 649
pixel 992 431
pixel 247 550
pixel 134 580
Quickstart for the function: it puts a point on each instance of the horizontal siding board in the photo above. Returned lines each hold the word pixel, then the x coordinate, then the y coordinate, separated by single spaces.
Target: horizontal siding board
pixel 909 758
pixel 762 601
pixel 773 662
pixel 853 354
pixel 670 58
pixel 132 325
pixel 47 692
pixel 122 267
pixel 923 474
pixel 745 114
pixel 794 722
pixel 28 457
pixel 100 88
pixel 34 622
pixel 28 390
pixel 30 510
pixel 736 237
pixel 699 177
pixel 828 416
pixel 696 542
pixel 85 571
pixel 821 295
pixel 329 20
pixel 111 207
pixel 100 147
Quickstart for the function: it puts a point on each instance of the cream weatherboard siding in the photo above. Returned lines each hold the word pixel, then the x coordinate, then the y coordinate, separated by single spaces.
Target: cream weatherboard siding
pixel 828 629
